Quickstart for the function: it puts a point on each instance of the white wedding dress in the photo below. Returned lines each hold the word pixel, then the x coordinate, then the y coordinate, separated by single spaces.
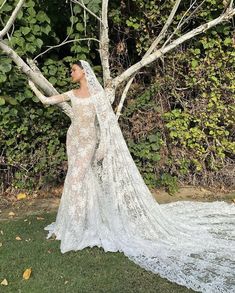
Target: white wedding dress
pixel 106 203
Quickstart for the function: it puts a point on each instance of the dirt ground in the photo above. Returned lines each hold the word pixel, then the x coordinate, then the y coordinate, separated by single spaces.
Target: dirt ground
pixel 38 203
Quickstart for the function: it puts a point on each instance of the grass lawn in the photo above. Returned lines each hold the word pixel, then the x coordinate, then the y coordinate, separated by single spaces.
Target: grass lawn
pixel 89 270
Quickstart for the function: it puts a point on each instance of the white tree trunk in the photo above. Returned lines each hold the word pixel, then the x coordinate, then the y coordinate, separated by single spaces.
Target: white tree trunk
pixel 228 14
pixel 110 84
pixel 104 44
pixel 11 20
pixel 149 51
pixel 36 77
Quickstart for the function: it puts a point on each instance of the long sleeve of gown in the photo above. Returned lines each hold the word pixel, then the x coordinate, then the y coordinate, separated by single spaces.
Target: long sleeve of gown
pixel 56 99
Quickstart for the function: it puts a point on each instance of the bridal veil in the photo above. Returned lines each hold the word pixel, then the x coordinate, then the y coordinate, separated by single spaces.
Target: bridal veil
pixel 190 243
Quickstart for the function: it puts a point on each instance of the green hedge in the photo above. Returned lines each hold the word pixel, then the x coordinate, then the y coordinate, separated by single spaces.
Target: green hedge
pixel 178 119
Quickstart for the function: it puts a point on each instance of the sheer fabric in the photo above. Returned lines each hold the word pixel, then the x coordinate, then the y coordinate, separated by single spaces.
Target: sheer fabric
pixel 106 203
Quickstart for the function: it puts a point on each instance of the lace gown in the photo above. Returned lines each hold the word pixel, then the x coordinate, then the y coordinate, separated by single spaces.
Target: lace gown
pixel 77 223
pixel 189 243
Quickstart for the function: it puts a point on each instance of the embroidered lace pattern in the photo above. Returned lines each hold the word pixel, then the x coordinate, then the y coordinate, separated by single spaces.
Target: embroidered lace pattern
pixel 106 203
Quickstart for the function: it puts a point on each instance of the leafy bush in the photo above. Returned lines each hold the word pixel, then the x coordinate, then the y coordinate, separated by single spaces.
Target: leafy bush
pixel 178 119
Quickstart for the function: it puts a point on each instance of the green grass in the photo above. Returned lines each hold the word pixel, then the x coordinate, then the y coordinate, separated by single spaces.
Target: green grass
pixel 89 270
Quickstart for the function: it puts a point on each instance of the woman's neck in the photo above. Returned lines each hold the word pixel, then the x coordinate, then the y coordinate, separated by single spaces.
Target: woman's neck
pixel 83 85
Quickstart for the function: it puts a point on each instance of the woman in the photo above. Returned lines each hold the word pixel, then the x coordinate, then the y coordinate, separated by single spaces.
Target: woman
pixel 106 203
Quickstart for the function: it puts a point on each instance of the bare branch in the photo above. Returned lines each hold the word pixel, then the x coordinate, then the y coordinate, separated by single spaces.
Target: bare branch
pixel 64 43
pixel 104 38
pixel 183 21
pixel 3 4
pixel 104 43
pixel 35 69
pixel 148 52
pixel 11 19
pixel 123 97
pixel 87 9
pixel 8 36
pixel 228 14
pixel 35 77
pixel 72 23
pixel 164 29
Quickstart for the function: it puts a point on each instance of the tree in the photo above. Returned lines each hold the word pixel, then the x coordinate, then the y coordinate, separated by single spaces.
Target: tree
pixel 111 83
pixel 34 24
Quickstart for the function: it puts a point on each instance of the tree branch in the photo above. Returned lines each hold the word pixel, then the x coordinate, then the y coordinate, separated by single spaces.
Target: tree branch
pixel 35 77
pixel 148 52
pixel 164 29
pixel 3 4
pixel 181 22
pixel 87 9
pixel 104 44
pixel 158 53
pixel 64 43
pixel 123 97
pixel 11 20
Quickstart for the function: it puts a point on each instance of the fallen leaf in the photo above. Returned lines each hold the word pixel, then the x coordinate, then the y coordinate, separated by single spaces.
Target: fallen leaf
pixel 1 232
pixel 11 214
pixel 18 238
pixel 27 273
pixel 40 218
pixel 21 196
pixel 4 282
pixel 66 282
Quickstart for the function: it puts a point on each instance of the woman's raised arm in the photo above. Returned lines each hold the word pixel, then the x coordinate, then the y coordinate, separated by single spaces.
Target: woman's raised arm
pixel 56 99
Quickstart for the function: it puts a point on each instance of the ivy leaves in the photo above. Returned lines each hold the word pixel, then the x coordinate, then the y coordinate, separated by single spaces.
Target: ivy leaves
pixel 5 67
pixel 28 33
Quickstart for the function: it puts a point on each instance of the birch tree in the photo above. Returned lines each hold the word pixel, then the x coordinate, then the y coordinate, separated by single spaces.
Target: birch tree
pixel 111 83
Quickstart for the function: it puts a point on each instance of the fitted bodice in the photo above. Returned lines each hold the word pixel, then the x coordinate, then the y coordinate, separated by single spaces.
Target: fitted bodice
pixel 84 115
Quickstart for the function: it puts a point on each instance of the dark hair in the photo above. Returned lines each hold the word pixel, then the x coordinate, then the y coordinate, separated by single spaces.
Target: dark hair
pixel 79 63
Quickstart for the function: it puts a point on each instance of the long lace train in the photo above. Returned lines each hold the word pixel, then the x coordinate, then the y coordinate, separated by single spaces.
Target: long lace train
pixel 105 202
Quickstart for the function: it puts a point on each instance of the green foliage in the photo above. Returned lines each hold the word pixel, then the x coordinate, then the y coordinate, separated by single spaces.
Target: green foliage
pixel 147 150
pixel 146 154
pixel 79 28
pixel 180 128
pixel 169 182
pixel 142 102
pixel 32 28
pixel 194 96
pixel 32 137
pixel 205 124
pixel 32 142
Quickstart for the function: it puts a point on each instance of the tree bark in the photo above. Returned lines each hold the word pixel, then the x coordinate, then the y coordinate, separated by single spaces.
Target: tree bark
pixel 110 84
pixel 11 20
pixel 36 77
pixel 228 14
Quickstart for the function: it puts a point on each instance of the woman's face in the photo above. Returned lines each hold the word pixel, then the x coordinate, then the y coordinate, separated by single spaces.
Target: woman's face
pixel 77 73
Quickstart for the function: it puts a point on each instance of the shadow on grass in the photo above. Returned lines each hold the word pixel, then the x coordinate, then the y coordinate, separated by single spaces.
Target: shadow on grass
pixel 87 270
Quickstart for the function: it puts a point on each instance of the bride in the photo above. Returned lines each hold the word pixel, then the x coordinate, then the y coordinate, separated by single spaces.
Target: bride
pixel 106 203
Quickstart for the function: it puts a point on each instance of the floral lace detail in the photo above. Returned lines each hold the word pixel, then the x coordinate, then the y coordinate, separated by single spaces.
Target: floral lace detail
pixel 105 202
